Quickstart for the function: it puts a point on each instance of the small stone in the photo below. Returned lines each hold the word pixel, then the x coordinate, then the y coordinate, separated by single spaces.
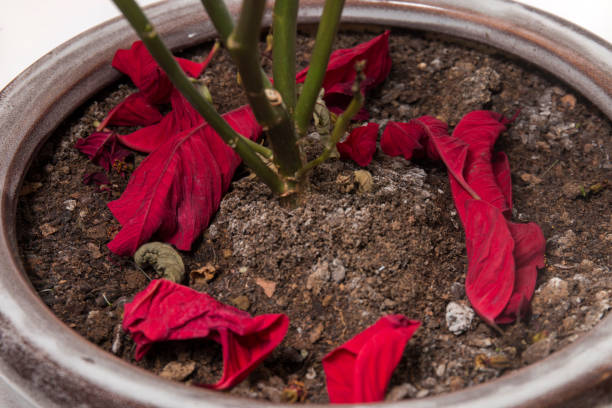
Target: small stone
pixel 537 351
pixel 440 370
pixel 572 189
pixel 241 302
pixel 480 341
pixel 422 66
pixel 178 370
pixel 70 205
pixel 315 334
pixel 568 101
pixel 458 317
pixel 400 392
pixel 530 178
pixel 569 324
pixel 554 293
pixel 94 250
pixel 205 273
pixel 457 290
pixel 422 393
pixel 338 271
pixel 268 286
pixel 429 382
pixel 320 275
pixel 311 373
pixel 456 383
pixel 364 181
pixel 47 229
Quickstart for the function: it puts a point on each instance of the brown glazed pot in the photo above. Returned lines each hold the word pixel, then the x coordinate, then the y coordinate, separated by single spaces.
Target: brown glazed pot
pixel 45 364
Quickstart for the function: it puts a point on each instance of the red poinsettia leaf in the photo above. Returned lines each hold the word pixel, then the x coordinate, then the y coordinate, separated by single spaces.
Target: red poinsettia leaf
pixel 102 149
pixel 490 278
pixel 181 118
pixel 360 369
pixel 529 247
pixel 177 188
pixel 501 170
pixel 479 130
pixel 402 139
pixel 167 311
pixel 340 73
pixel 144 72
pixel 135 110
pixel 360 145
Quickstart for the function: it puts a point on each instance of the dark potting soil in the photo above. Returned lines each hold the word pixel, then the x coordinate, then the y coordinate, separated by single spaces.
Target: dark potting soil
pixel 345 258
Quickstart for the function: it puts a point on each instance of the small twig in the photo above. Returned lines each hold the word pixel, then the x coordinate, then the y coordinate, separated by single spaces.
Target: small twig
pixel 549 168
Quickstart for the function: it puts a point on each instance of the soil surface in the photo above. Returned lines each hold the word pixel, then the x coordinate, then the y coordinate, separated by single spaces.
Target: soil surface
pixel 346 257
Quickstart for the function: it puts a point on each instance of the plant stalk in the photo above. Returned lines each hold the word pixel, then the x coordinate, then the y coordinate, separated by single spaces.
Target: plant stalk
pixel 266 102
pixel 284 29
pixel 220 17
pixel 134 14
pixel 342 122
pixel 328 27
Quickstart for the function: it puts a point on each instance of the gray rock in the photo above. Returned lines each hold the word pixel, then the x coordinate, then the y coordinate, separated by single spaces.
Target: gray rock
pixel 338 271
pixel 399 392
pixel 458 317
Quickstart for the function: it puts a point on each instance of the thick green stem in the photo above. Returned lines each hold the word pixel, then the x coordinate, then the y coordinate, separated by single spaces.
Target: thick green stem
pixel 266 102
pixel 164 58
pixel 328 27
pixel 342 122
pixel 284 28
pixel 220 17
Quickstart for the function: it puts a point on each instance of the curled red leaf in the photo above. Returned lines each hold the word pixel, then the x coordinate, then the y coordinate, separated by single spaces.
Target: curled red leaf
pixel 135 110
pixel 167 311
pixel 360 369
pixel 340 73
pixel 139 65
pixel 360 145
pixel 177 188
pixel 503 257
pixel 102 149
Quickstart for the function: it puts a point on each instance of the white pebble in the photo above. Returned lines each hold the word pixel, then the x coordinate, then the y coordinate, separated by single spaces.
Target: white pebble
pixel 458 317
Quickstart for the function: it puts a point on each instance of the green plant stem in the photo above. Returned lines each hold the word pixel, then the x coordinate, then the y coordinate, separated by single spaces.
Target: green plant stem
pixel 328 27
pixel 342 122
pixel 164 58
pixel 220 17
pixel 284 29
pixel 265 101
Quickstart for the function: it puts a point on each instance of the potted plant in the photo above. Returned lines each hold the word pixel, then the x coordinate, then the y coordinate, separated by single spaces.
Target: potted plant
pixel 88 357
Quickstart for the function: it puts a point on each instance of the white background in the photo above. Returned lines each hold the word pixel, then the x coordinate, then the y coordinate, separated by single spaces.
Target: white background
pixel 31 28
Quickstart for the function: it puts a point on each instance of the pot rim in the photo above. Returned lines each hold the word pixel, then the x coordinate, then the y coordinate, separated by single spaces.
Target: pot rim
pixel 50 365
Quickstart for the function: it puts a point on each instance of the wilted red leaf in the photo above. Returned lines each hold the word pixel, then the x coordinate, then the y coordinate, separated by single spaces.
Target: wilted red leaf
pixel 139 65
pixel 360 145
pixel 102 149
pixel 177 188
pixel 503 257
pixel 360 369
pixel 167 311
pixel 479 130
pixel 135 110
pixel 182 117
pixel 340 73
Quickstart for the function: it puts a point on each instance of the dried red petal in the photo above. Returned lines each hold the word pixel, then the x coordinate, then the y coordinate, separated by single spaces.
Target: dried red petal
pixel 360 145
pixel 144 72
pixel 181 118
pixel 135 110
pixel 167 311
pixel 177 188
pixel 340 73
pixel 360 369
pixel 102 149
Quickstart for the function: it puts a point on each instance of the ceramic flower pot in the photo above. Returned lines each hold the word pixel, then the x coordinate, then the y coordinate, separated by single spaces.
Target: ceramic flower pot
pixel 45 364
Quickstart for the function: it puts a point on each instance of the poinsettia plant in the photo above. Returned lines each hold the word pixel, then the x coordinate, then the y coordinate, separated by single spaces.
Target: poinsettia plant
pixel 193 152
